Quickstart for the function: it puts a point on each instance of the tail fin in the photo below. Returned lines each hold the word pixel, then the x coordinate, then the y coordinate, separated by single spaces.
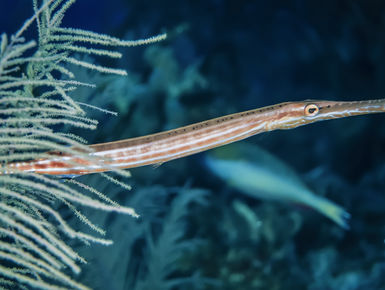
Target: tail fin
pixel 334 212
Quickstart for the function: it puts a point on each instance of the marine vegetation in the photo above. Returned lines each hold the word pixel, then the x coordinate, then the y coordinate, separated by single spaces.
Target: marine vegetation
pixel 36 89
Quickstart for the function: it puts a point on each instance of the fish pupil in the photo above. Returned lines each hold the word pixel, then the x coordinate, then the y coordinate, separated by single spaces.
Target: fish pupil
pixel 311 110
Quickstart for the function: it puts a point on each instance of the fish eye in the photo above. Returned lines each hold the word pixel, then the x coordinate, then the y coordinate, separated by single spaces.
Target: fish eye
pixel 311 110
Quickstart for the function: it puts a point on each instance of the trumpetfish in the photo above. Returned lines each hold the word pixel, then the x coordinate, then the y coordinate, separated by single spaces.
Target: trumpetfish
pixel 188 140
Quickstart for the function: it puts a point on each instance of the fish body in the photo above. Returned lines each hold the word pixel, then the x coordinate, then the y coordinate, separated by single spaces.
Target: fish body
pixel 258 174
pixel 177 143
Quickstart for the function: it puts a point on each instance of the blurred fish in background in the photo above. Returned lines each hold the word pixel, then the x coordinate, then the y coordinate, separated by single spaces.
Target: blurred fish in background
pixel 258 174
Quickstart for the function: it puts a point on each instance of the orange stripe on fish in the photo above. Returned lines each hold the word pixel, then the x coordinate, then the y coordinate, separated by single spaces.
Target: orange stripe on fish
pixel 188 140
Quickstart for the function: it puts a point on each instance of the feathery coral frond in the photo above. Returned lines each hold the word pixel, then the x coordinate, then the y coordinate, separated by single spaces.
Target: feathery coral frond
pixel 35 82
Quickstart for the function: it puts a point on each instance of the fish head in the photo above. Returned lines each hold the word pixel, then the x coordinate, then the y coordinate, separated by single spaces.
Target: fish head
pixel 295 114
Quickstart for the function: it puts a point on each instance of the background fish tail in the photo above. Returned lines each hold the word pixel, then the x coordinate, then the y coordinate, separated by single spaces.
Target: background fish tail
pixel 333 211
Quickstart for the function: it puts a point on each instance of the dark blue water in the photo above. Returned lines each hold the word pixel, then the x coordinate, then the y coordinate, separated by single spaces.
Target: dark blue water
pixel 223 57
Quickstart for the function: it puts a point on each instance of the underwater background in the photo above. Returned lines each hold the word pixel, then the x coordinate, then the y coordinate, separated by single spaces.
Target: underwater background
pixel 197 231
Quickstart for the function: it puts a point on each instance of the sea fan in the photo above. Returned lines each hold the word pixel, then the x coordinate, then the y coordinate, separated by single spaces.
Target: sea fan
pixel 36 85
